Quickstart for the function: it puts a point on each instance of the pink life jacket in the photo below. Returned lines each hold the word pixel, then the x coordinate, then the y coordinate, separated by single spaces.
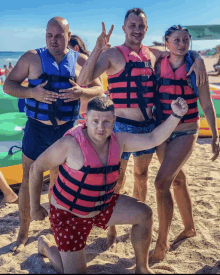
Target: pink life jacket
pixel 134 86
pixel 79 190
pixel 172 85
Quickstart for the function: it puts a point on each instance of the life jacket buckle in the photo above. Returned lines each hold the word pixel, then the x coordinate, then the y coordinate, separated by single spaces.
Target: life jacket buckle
pixel 72 78
pixel 102 207
pixel 131 64
pixel 144 78
pixel 189 82
pixel 100 198
pixel 165 82
pixel 106 169
pixel 53 78
pixel 107 188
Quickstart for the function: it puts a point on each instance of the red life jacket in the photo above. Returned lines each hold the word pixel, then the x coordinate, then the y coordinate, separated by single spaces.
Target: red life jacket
pixel 79 190
pixel 170 86
pixel 134 86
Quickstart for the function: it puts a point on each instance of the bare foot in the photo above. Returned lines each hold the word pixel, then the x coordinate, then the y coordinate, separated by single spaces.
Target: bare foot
pixel 41 245
pixel 10 199
pixel 143 271
pixel 160 252
pixel 20 243
pixel 111 237
pixel 187 233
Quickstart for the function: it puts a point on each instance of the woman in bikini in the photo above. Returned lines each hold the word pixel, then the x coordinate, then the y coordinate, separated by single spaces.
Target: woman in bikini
pixel 172 81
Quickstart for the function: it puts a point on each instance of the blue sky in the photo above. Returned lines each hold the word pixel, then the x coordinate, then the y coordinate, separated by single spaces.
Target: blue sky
pixel 23 23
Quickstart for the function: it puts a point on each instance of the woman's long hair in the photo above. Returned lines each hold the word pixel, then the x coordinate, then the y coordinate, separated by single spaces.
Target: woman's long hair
pixel 76 40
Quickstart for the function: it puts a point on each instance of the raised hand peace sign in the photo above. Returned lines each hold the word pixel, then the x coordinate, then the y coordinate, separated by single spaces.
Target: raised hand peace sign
pixel 103 39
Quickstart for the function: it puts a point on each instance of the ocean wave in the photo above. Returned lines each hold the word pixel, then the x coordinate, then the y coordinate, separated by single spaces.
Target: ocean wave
pixel 11 59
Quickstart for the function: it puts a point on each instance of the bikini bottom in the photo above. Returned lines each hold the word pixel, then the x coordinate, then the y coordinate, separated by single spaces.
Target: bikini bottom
pixel 181 133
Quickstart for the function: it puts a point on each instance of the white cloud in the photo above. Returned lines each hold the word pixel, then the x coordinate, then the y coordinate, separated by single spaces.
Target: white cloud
pixel 28 33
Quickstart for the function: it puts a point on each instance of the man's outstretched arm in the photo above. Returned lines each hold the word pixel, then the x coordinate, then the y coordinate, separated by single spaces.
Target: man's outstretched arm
pixel 138 142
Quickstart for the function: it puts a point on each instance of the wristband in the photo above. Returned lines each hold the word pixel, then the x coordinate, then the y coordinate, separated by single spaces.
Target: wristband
pixel 176 115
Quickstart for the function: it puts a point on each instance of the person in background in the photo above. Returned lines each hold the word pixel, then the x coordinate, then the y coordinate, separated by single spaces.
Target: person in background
pixel 9 194
pixel 76 44
pixel 6 71
pixel 10 67
pixel 216 67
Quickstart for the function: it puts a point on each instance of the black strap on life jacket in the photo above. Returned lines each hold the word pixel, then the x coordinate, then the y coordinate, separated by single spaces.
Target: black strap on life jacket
pixel 52 111
pixel 159 96
pixel 125 76
pixel 101 170
pixel 100 207
pixel 80 184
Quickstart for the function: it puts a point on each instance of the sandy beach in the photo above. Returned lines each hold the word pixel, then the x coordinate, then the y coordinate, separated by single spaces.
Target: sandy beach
pixel 200 254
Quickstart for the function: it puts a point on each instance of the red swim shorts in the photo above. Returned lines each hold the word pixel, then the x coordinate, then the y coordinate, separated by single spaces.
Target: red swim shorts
pixel 71 232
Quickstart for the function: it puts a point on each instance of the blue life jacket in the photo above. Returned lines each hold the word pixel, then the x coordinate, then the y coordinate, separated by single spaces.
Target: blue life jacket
pixel 58 78
pixel 192 76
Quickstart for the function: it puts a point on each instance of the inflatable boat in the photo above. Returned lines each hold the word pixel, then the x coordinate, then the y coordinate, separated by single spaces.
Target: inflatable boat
pixel 11 134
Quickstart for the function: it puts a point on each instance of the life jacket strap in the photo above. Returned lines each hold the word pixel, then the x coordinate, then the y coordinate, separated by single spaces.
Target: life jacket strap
pixel 81 196
pixel 46 112
pixel 102 170
pixel 55 78
pixel 145 89
pixel 80 187
pixel 167 106
pixel 99 188
pixel 143 78
pixel 79 207
pixel 166 96
pixel 142 102
pixel 137 64
pixel 169 82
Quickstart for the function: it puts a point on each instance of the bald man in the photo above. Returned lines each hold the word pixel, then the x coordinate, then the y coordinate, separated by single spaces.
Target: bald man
pixel 52 104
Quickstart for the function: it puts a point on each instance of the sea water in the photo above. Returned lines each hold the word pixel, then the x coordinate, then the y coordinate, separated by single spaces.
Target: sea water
pixel 6 57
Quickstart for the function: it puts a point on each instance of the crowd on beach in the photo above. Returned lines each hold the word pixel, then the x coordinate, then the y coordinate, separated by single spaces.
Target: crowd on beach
pixel 151 107
pixel 7 71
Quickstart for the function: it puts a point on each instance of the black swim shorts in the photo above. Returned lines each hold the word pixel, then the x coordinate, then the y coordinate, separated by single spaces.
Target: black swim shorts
pixel 38 137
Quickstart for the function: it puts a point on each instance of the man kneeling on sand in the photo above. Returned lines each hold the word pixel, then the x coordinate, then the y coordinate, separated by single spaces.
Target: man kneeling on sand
pixel 88 157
